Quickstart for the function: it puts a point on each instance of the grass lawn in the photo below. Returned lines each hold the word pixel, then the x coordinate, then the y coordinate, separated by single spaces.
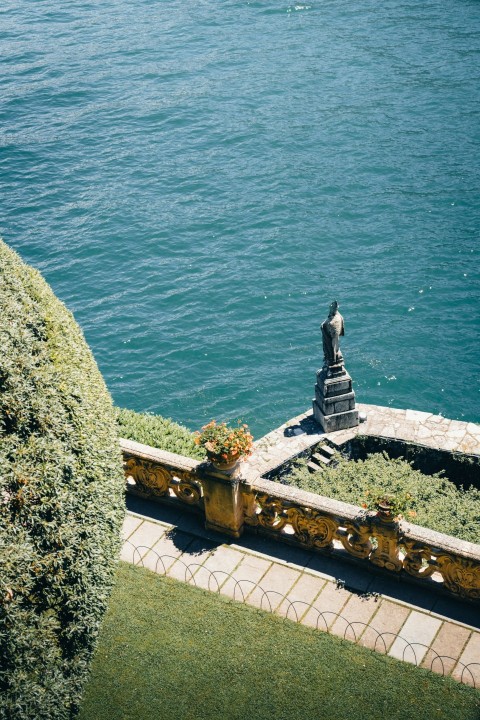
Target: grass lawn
pixel 168 650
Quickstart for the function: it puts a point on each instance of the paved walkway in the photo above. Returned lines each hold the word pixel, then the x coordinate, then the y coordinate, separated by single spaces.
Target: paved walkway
pixel 403 620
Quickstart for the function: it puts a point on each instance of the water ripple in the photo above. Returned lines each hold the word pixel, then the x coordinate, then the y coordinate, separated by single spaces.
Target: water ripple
pixel 198 183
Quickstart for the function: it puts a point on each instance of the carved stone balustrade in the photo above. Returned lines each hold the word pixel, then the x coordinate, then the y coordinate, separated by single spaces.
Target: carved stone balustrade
pixel 229 504
pixel 160 475
pixel 154 473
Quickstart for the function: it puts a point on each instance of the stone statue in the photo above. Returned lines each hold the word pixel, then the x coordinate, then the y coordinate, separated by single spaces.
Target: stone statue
pixel 334 402
pixel 332 328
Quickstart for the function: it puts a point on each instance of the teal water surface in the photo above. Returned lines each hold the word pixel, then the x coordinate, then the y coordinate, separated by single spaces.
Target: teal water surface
pixel 198 180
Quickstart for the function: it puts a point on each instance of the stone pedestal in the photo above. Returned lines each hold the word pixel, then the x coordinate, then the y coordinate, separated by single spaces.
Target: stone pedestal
pixel 223 500
pixel 334 401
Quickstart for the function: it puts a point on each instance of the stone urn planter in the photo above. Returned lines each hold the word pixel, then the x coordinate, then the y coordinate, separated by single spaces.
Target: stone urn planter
pixel 385 510
pixel 225 465
pixel 391 508
pixel 224 444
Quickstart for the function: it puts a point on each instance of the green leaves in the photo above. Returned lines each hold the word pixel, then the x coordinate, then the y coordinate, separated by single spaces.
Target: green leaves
pixel 159 432
pixel 61 498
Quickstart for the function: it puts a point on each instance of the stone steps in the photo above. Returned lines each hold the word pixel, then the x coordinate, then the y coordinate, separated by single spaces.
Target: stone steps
pixel 321 458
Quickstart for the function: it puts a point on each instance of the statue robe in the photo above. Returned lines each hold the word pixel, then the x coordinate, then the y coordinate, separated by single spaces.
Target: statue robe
pixel 332 328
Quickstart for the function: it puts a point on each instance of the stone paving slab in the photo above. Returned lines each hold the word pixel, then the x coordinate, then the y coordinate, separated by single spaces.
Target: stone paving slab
pixel 130 524
pixel 187 566
pixel 470 654
pixel 384 626
pixel 448 644
pixel 144 537
pixel 327 607
pixel 147 533
pixel 355 616
pixel 245 576
pixel 416 635
pixel 276 583
pixel 301 595
pixel 168 549
pixel 218 567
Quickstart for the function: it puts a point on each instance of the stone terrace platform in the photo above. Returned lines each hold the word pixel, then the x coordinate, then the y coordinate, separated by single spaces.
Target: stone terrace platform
pixel 302 432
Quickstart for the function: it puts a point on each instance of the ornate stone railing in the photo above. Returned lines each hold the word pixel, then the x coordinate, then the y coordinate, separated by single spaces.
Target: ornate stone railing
pixel 311 521
pixel 160 474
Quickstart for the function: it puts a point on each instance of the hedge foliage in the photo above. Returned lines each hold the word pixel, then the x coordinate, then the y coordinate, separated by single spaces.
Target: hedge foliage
pixel 437 502
pixel 61 499
pixel 158 432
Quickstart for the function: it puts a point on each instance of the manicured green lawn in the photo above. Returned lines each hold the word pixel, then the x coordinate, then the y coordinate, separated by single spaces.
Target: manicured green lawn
pixel 169 651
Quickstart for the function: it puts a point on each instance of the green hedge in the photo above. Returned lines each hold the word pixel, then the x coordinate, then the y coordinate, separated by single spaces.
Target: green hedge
pixel 158 432
pixel 437 502
pixel 61 499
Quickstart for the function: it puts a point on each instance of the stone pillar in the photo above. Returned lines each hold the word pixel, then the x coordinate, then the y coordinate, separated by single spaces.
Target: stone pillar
pixel 334 401
pixel 387 553
pixel 223 500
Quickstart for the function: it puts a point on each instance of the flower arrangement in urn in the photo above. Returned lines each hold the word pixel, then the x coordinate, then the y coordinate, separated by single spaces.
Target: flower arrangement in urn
pixel 225 445
pixel 391 506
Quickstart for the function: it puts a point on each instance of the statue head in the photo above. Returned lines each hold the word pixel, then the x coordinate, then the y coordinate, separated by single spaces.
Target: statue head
pixel 333 308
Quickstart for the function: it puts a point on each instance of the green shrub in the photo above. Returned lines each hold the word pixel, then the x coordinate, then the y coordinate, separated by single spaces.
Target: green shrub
pixel 61 499
pixel 158 432
pixel 437 502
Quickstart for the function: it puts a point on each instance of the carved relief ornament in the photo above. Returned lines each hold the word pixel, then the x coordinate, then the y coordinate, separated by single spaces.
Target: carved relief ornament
pixel 157 480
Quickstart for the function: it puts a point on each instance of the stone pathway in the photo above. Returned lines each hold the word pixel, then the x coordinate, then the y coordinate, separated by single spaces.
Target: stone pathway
pixel 391 617
pixel 302 432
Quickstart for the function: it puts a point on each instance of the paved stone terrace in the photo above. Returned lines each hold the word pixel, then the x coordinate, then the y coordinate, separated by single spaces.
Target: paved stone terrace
pixel 409 623
pixel 302 432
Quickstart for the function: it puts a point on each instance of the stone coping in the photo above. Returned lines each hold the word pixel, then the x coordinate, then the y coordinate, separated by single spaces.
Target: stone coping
pixel 302 497
pixel 163 457
pixel 422 535
pixel 412 426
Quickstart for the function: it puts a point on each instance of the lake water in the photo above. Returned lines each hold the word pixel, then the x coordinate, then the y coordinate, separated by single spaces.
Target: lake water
pixel 198 180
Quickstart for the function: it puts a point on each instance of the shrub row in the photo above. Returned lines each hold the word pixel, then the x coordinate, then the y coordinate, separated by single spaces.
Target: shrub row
pixel 437 503
pixel 61 499
pixel 158 432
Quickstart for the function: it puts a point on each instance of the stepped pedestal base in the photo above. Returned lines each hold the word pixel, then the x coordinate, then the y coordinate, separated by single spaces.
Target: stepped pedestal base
pixel 334 401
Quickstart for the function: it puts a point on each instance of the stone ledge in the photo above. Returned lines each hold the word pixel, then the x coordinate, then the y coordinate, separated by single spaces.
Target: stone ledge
pixel 163 457
pixel 347 511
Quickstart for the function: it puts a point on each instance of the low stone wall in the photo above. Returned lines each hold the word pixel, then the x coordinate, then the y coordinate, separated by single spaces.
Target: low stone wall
pixel 229 504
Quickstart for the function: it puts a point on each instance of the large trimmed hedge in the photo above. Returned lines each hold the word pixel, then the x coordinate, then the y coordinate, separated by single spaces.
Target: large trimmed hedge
pixel 61 499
